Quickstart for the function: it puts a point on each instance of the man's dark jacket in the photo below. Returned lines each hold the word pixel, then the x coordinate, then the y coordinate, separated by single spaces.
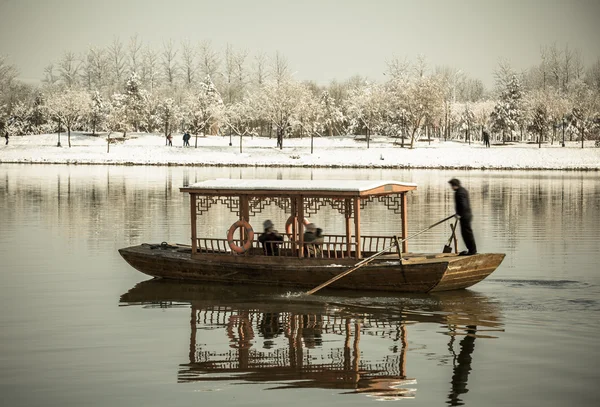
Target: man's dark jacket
pixel 463 206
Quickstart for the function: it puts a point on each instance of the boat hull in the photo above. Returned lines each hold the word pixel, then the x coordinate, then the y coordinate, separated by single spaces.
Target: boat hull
pixel 415 273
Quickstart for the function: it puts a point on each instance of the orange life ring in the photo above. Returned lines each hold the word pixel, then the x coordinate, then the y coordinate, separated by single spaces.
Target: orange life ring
pixel 288 225
pixel 249 236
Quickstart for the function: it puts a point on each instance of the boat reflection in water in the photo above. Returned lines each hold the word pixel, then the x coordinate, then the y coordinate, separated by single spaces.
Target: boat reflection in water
pixel 296 341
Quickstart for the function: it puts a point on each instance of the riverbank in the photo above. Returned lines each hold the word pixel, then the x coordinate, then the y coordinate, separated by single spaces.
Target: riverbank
pixel 335 152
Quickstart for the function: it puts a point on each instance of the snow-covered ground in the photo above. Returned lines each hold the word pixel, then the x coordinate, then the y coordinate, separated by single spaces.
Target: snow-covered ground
pixel 150 149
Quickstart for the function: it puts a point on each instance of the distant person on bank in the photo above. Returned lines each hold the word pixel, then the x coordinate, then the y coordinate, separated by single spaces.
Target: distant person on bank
pixel 486 138
pixel 463 211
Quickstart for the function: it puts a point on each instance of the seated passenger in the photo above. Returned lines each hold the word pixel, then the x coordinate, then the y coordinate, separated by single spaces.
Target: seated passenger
pixel 270 239
pixel 313 239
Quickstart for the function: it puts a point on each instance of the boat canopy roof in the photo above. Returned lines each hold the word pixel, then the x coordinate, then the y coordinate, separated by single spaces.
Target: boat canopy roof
pixel 277 187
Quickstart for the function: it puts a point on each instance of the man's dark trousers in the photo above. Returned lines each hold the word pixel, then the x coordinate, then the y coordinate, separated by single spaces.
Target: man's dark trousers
pixel 467 234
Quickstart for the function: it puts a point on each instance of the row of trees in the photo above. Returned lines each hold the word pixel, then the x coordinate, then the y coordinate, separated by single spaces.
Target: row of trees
pixel 121 89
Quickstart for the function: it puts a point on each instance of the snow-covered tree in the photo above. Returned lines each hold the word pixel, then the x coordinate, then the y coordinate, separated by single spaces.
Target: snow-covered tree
pixel 68 67
pixel 189 65
pixel 240 118
pixel 547 110
pixel 117 120
pixel 118 62
pixel 508 112
pixel 482 111
pixel 467 121
pixel 169 115
pixel 17 122
pixel 98 64
pixel 363 106
pixel 311 114
pixel 279 102
pixel 332 113
pixel 97 112
pixel 422 100
pixel 136 101
pixel 234 75
pixel 208 59
pixel 68 107
pixel 539 117
pixel 134 57
pixel 585 108
pixel 170 66
pixel 204 108
pixel 150 69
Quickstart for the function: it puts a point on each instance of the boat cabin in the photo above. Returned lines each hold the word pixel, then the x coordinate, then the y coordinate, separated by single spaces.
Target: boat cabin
pixel 300 199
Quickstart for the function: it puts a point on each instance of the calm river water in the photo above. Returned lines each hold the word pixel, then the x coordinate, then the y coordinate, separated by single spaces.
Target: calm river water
pixel 79 326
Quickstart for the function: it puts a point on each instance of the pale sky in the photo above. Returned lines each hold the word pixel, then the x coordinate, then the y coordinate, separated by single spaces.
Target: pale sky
pixel 322 39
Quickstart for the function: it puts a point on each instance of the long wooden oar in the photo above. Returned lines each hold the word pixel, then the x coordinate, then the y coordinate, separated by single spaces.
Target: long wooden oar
pixel 373 257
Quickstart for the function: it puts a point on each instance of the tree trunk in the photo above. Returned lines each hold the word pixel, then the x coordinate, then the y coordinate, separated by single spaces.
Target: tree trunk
pixel 108 143
pixel 166 134
pixel 540 139
pixel 582 134
pixel 412 138
pixel 446 124
pixel 69 136
pixel 404 132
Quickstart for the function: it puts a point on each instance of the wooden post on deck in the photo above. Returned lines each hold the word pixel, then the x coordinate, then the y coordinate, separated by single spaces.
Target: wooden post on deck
pixel 357 228
pixel 300 208
pixel 404 222
pixel 244 215
pixel 294 215
pixel 348 215
pixel 193 223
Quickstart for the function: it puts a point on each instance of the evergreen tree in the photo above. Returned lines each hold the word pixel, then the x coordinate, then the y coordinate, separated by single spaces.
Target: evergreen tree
pixel 332 114
pixel 204 107
pixel 467 122
pixel 97 112
pixel 508 112
pixel 136 102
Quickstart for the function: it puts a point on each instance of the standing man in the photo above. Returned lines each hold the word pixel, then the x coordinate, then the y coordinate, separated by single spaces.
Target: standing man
pixel 463 211
pixel 486 138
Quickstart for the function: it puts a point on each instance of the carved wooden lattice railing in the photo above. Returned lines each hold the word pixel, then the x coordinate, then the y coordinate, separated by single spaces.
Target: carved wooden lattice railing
pixel 332 247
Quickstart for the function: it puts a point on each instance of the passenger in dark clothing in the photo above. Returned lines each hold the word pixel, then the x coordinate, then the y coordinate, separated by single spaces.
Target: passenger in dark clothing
pixel 313 240
pixel 6 137
pixel 270 239
pixel 463 211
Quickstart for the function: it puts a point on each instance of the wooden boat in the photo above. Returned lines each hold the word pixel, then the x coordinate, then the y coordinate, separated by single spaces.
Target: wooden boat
pixel 239 258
